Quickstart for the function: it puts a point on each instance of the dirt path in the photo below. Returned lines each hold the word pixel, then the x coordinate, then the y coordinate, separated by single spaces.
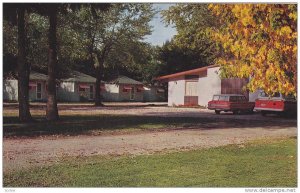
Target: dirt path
pixel 19 153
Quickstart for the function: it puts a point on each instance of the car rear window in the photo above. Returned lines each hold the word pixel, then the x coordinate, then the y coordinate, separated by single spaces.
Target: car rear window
pixel 263 94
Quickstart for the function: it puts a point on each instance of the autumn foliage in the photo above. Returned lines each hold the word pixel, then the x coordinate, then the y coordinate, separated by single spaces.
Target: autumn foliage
pixel 258 41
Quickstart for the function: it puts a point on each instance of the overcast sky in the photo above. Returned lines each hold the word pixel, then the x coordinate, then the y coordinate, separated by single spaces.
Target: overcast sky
pixel 160 33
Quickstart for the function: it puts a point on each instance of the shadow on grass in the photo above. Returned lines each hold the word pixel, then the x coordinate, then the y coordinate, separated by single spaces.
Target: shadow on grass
pixel 88 124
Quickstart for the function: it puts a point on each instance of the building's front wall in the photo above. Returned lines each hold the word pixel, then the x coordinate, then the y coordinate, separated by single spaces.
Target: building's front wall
pixel 67 92
pixel 87 94
pixel 125 95
pixel 110 93
pixel 71 92
pixel 209 85
pixel 153 94
pixel 33 91
pixel 10 90
pixel 176 91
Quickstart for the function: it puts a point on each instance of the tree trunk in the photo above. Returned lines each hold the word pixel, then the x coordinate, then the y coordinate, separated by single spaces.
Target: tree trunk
pixel 99 61
pixel 98 98
pixel 23 70
pixel 52 111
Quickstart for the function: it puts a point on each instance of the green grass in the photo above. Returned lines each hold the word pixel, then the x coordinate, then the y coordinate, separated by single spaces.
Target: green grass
pixel 256 164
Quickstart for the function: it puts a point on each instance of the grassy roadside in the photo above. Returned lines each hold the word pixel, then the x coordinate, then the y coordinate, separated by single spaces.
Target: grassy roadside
pixel 256 164
pixel 83 123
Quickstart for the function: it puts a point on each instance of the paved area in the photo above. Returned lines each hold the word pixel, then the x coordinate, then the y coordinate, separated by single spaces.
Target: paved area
pixel 26 152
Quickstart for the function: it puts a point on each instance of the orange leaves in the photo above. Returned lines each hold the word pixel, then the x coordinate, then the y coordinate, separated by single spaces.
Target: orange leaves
pixel 285 31
pixel 259 41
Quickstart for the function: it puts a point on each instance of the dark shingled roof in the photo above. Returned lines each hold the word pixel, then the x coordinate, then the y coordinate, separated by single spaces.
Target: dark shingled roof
pixel 125 80
pixel 76 76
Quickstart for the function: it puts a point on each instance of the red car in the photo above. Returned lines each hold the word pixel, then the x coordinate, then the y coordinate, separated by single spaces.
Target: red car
pixel 277 103
pixel 230 102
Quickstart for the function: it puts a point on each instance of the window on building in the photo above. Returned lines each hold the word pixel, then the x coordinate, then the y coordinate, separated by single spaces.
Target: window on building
pixel 127 88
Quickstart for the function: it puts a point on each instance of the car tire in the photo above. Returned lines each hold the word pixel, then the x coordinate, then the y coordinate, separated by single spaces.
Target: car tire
pixel 217 112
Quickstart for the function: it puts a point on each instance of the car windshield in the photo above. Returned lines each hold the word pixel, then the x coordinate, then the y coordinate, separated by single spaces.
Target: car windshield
pixel 216 97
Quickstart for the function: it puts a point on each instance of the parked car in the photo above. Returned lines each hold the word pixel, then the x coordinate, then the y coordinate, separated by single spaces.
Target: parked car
pixel 230 102
pixel 277 103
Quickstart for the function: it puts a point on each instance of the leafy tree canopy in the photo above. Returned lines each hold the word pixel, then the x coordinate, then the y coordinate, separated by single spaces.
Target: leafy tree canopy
pixel 193 23
pixel 259 41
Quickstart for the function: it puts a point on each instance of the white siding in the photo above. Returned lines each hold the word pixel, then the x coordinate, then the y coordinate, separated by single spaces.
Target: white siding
pixel 151 94
pixel 68 92
pixel 112 88
pixel 209 85
pixel 176 91
pixel 10 90
pixel 68 86
pixel 33 91
pixel 253 96
pixel 111 92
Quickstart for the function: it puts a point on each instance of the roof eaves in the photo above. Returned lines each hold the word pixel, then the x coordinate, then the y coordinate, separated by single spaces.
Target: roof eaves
pixel 188 72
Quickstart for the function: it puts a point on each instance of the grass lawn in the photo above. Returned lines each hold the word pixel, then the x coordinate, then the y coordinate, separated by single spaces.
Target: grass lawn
pixel 270 163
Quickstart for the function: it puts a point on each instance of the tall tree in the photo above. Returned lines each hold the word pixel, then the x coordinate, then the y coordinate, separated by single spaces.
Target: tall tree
pixel 52 10
pixel 23 68
pixel 102 33
pixel 193 23
pixel 259 41
pixel 52 111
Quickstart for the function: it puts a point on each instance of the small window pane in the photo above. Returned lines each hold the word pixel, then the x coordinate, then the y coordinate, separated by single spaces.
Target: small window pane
pixel 216 97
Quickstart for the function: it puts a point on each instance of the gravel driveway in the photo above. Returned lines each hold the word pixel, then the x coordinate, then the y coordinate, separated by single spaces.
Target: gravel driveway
pixel 26 152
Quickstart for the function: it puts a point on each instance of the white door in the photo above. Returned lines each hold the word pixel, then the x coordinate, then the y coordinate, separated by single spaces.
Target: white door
pixel 191 88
